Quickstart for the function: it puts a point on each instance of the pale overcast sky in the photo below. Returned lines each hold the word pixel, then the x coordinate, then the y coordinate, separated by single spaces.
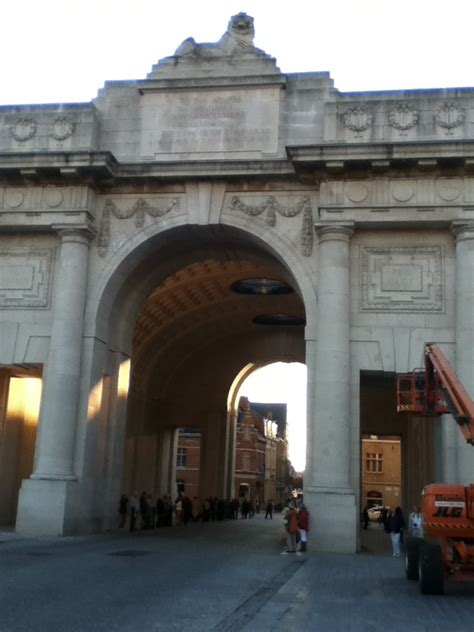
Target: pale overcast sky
pixel 58 51
pixel 284 382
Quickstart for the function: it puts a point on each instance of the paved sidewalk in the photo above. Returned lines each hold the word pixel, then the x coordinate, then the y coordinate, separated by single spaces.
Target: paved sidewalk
pixel 225 577
pixel 367 592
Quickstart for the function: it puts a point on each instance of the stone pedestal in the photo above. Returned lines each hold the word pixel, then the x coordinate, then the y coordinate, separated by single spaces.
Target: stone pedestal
pixel 44 507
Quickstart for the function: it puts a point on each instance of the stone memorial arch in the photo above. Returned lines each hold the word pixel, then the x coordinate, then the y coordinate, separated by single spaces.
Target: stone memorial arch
pixel 125 224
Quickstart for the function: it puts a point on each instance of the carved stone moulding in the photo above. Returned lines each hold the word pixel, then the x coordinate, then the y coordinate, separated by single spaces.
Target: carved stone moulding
pixel 14 198
pixel 403 116
pixel 62 128
pixel 24 129
pixel 356 191
pixel 402 279
pixel 358 119
pixel 25 278
pixel 271 207
pixel 402 191
pixel 449 115
pixel 158 209
pixel 53 197
pixel 448 191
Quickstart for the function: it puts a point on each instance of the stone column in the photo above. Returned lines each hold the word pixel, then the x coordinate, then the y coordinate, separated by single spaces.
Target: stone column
pixel 166 441
pixel 42 505
pixel 464 236
pixel 55 447
pixel 330 494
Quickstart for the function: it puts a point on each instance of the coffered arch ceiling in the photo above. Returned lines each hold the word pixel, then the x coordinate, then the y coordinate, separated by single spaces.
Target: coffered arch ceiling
pixel 193 318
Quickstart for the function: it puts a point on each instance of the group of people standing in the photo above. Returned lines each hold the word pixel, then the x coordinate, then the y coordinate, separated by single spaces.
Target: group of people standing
pixel 296 522
pixel 139 510
pixel 396 526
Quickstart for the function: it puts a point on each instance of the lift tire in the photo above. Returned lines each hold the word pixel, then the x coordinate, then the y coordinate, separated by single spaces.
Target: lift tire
pixel 412 557
pixel 431 569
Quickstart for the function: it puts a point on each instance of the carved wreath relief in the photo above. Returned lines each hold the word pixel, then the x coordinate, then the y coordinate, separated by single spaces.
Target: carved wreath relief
pixel 272 207
pixel 403 117
pixel 138 211
pixel 448 116
pixel 358 119
pixel 62 128
pixel 24 129
pixel 402 279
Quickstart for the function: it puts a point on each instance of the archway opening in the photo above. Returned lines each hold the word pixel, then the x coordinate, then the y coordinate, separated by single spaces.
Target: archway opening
pixel 397 454
pixel 224 304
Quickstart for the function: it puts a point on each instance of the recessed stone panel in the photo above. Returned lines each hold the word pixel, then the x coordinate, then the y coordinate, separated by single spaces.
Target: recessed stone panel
pixel 25 278
pixel 210 122
pixel 402 279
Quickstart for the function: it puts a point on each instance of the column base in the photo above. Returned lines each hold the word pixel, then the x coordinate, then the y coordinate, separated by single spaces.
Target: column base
pixel 44 507
pixel 334 520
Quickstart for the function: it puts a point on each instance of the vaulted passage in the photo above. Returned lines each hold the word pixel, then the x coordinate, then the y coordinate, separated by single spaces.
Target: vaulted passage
pixel 196 332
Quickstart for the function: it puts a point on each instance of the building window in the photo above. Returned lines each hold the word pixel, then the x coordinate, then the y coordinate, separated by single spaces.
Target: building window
pixel 246 461
pixel 181 457
pixel 374 462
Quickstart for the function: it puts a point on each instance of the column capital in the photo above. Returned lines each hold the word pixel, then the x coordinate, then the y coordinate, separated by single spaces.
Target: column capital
pixel 462 230
pixel 334 231
pixel 82 233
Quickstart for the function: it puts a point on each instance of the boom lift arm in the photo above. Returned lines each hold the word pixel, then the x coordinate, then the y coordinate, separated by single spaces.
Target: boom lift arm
pixel 436 390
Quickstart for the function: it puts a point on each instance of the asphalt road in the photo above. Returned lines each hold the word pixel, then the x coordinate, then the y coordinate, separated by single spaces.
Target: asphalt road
pixel 225 576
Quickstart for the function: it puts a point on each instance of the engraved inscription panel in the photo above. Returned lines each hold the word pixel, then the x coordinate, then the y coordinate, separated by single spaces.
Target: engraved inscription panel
pixel 25 278
pixel 402 279
pixel 209 122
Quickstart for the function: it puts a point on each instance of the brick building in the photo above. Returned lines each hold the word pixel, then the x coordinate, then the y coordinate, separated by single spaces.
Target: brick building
pixel 381 470
pixel 261 458
pixel 188 455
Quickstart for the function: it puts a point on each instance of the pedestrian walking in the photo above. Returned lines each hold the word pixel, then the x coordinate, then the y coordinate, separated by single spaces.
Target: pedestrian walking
pixel 395 526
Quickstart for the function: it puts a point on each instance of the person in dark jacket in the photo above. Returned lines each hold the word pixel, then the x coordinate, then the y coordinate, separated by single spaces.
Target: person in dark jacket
pixel 396 524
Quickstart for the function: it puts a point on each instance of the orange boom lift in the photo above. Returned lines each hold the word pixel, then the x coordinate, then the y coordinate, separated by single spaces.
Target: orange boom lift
pixel 447 548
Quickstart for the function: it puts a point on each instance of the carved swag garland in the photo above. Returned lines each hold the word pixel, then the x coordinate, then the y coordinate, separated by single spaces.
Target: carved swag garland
pixel 271 206
pixel 138 210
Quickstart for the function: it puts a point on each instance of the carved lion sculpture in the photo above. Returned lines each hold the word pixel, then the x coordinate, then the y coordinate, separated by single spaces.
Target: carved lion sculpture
pixel 237 39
